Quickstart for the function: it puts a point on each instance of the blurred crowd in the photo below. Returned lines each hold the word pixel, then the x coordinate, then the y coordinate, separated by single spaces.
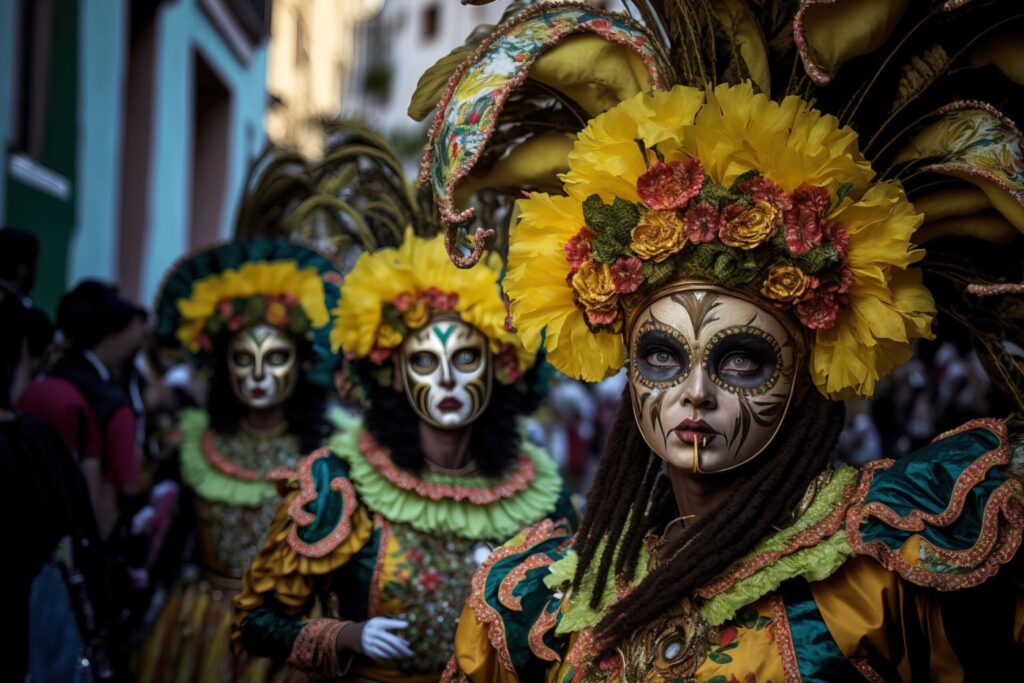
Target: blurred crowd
pixel 88 444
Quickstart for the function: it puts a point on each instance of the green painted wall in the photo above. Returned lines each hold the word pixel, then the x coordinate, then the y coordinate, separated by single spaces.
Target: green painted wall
pixel 50 217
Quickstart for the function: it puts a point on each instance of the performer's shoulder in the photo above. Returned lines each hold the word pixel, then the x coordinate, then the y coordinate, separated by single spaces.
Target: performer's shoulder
pixel 946 516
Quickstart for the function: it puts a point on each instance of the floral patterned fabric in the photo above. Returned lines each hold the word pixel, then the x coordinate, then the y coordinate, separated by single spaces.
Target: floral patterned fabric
pixel 417 569
pixel 477 92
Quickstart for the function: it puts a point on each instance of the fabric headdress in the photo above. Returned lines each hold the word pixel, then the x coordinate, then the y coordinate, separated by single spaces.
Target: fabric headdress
pixel 813 208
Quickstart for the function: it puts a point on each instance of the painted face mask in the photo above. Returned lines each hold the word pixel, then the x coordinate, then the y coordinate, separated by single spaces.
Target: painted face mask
pixel 711 376
pixel 264 366
pixel 447 371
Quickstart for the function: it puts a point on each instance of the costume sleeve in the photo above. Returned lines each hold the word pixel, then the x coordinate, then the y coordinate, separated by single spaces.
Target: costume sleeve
pixel 936 533
pixel 317 529
pixel 507 631
pixel 122 449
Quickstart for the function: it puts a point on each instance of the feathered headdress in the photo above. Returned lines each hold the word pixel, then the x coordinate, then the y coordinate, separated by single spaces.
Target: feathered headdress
pixel 814 207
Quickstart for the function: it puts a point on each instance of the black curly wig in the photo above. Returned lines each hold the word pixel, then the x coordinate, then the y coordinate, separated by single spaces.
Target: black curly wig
pixel 305 409
pixel 495 438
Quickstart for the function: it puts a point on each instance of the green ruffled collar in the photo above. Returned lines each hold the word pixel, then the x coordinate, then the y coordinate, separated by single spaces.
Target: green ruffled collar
pixel 213 484
pixel 759 573
pixel 473 507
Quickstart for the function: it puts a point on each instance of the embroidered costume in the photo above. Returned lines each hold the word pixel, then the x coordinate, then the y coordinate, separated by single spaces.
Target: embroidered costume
pixel 751 260
pixel 374 533
pixel 255 315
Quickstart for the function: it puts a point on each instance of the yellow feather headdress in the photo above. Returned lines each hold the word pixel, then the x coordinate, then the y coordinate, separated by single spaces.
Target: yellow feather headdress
pixel 393 291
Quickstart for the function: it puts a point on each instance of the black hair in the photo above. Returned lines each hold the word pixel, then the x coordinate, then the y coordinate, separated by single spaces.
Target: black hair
pixel 19 251
pixel 12 340
pixel 631 497
pixel 495 438
pixel 305 408
pixel 93 310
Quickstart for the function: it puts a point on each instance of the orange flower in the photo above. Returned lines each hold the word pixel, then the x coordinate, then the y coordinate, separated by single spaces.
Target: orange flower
pixel 277 314
pixel 658 235
pixel 750 228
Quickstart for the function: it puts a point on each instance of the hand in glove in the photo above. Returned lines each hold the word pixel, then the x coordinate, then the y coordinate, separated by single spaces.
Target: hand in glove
pixel 377 641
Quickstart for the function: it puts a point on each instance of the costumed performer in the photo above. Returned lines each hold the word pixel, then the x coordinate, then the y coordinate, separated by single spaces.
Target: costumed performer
pixel 387 524
pixel 255 316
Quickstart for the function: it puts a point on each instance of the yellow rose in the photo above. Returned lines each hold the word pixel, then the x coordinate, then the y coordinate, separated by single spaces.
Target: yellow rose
pixel 658 235
pixel 751 227
pixel 277 314
pixel 784 283
pixel 417 315
pixel 594 284
pixel 388 337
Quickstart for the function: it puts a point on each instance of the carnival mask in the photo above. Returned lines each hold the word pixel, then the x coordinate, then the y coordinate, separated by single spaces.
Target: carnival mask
pixel 264 366
pixel 711 376
pixel 447 372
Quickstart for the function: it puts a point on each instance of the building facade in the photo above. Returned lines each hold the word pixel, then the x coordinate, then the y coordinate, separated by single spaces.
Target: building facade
pixel 309 63
pixel 129 130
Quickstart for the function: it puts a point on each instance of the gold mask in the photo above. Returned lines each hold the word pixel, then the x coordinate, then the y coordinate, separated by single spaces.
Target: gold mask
pixel 711 375
pixel 264 366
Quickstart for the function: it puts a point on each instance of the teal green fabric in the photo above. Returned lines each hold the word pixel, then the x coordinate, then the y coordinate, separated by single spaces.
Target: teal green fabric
pixel 924 480
pixel 818 657
pixel 536 599
pixel 269 631
pixel 328 505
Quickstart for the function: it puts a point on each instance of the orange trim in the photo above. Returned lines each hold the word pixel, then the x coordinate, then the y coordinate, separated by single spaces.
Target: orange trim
pixel 373 604
pixel 518 480
pixel 809 537
pixel 784 639
pixel 307 494
pixel 512 579
pixel 996 543
pixel 216 460
pixel 486 614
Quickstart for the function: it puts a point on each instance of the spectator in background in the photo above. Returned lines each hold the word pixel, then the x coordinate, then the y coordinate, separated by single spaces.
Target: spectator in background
pixel 80 396
pixel 50 634
pixel 19 251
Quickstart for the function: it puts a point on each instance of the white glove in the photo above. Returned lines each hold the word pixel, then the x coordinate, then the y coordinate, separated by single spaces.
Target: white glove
pixel 378 642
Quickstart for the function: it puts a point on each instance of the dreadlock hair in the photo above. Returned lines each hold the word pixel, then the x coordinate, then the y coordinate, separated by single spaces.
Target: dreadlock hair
pixel 630 497
pixel 304 410
pixel 495 438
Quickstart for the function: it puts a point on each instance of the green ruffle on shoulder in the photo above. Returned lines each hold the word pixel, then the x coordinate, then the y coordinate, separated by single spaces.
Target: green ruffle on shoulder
pixel 494 522
pixel 209 483
pixel 579 614
pixel 813 563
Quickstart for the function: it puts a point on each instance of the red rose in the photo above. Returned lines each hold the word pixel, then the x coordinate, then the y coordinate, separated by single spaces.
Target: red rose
pixel 766 190
pixel 205 344
pixel 805 222
pixel 628 274
pixel 668 187
pixel 577 249
pixel 225 309
pixel 820 312
pixel 845 280
pixel 402 302
pixel 703 222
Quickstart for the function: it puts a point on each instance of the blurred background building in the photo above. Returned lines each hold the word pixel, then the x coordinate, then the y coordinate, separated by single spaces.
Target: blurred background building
pixel 309 63
pixel 129 127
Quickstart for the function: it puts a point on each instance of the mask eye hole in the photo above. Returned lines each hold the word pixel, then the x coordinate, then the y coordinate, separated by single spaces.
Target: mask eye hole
pixel 423 362
pixel 661 355
pixel 744 360
pixel 278 358
pixel 467 359
pixel 242 360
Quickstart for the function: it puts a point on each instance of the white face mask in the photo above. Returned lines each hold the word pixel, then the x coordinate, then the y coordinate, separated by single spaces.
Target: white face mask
pixel 264 366
pixel 447 371
pixel 713 370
